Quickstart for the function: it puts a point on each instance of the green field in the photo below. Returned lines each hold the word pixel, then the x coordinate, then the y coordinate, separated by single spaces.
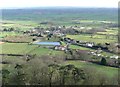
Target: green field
pixel 108 70
pixel 96 38
pixel 19 25
pixel 4 34
pixel 24 48
pixel 16 48
pixel 110 32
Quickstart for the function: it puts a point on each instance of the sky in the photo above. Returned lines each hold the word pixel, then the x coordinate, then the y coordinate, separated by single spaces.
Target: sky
pixel 47 3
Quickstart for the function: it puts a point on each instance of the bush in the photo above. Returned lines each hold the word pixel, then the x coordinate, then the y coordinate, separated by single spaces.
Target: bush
pixel 103 61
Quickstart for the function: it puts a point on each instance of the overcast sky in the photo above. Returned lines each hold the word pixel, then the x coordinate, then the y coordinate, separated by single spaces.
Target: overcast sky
pixel 74 3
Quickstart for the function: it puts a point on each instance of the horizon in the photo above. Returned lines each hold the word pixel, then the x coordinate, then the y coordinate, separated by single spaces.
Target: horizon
pixel 14 4
pixel 57 7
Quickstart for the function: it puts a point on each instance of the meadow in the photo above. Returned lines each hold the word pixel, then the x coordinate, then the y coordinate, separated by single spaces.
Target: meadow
pixel 24 48
pixel 96 38
pixel 107 70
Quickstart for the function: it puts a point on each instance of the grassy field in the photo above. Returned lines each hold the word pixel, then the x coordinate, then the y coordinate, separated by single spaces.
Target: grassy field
pixel 19 25
pixel 45 51
pixel 4 34
pixel 19 38
pixel 84 48
pixel 96 38
pixel 16 48
pixel 24 48
pixel 89 49
pixel 110 31
pixel 108 70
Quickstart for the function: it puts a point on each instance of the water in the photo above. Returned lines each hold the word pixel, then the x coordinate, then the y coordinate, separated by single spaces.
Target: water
pixel 48 43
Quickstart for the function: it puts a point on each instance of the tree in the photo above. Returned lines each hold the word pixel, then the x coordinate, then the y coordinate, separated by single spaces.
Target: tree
pixel 5 76
pixel 11 29
pixel 62 73
pixel 52 70
pixel 70 74
pixel 34 39
pixel 78 74
pixel 103 61
pixel 18 76
pixel 65 73
pixel 36 72
pixel 5 29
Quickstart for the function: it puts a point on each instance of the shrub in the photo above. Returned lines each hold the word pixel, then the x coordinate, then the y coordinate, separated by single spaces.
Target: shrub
pixel 103 61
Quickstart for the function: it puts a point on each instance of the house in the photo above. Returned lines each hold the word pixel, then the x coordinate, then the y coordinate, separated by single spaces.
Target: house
pixel 63 48
pixel 59 27
pixel 82 27
pixel 114 57
pixel 89 44
pixel 99 55
pixel 93 53
pixel 47 31
pixel 57 33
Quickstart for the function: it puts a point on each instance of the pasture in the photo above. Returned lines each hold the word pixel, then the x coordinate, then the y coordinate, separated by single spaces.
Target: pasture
pixel 16 48
pixel 109 32
pixel 24 48
pixel 96 38
pixel 99 68
pixel 5 34
pixel 19 25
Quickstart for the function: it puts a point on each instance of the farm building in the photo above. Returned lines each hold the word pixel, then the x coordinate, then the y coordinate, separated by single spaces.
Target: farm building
pixel 63 48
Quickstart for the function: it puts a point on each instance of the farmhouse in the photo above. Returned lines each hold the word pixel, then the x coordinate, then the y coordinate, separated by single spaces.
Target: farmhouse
pixel 58 33
pixel 63 48
pixel 47 31
pixel 114 57
pixel 89 44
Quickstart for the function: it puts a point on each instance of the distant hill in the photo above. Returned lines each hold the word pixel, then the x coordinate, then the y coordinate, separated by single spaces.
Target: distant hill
pixel 60 14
